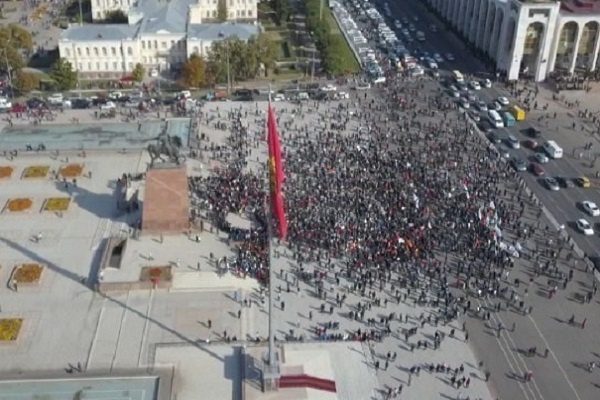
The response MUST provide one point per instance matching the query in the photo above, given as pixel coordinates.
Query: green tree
(138, 72)
(63, 75)
(26, 81)
(282, 10)
(222, 10)
(115, 17)
(193, 72)
(266, 49)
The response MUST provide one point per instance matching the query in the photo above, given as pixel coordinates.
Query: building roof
(581, 6)
(165, 16)
(211, 32)
(91, 32)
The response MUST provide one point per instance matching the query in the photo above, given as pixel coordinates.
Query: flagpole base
(270, 374)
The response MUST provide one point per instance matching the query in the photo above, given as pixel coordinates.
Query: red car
(530, 144)
(536, 169)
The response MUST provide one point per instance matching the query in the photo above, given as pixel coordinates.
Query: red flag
(276, 175)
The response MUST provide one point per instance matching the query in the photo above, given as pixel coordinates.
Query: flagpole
(272, 376)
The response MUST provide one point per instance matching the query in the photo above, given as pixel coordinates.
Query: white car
(115, 95)
(591, 208)
(329, 88)
(186, 94)
(279, 97)
(464, 103)
(5, 104)
(55, 98)
(109, 105)
(487, 83)
(475, 85)
(343, 95)
(503, 100)
(153, 73)
(584, 227)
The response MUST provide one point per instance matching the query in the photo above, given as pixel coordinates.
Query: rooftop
(581, 6)
(93, 32)
(217, 31)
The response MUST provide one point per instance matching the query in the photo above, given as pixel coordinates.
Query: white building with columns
(160, 36)
(528, 37)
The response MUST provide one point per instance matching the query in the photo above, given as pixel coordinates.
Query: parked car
(503, 100)
(536, 169)
(541, 158)
(518, 164)
(583, 182)
(551, 183)
(533, 132)
(565, 182)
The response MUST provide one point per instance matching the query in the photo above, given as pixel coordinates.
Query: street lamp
(222, 35)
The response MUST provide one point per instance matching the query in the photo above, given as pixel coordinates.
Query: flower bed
(36, 171)
(28, 273)
(10, 328)
(71, 170)
(162, 274)
(54, 204)
(18, 205)
(6, 172)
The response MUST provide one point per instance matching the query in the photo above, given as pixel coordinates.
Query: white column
(576, 49)
(595, 54)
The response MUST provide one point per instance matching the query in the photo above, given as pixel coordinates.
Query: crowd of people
(393, 197)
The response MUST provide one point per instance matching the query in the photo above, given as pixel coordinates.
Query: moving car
(530, 144)
(503, 100)
(513, 142)
(536, 169)
(551, 184)
(583, 182)
(584, 227)
(591, 208)
(475, 85)
(518, 164)
(541, 158)
(565, 182)
(487, 83)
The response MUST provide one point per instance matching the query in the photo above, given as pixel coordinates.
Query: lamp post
(226, 38)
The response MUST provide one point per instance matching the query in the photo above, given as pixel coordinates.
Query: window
(172, 43)
(237, 13)
(243, 12)
(67, 52)
(129, 51)
(249, 13)
(114, 65)
(89, 66)
(231, 3)
(80, 66)
(207, 14)
(113, 51)
(131, 66)
(144, 59)
(98, 3)
(214, 14)
(143, 45)
(163, 45)
(195, 49)
(96, 51)
(104, 51)
(106, 65)
(97, 66)
(156, 44)
(79, 51)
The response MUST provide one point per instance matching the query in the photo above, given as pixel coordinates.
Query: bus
(495, 119)
(553, 149)
(518, 113)
(508, 119)
(458, 77)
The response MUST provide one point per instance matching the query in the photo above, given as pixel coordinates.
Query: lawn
(348, 59)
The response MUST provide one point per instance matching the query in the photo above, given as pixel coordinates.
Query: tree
(138, 72)
(193, 72)
(282, 10)
(222, 10)
(266, 49)
(115, 17)
(26, 81)
(63, 75)
(14, 42)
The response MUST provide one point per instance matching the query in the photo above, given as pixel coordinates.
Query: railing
(294, 381)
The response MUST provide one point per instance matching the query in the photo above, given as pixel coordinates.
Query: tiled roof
(90, 32)
(217, 31)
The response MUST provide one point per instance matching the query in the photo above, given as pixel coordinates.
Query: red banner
(276, 175)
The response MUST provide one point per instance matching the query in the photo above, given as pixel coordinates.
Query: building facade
(237, 10)
(529, 38)
(161, 36)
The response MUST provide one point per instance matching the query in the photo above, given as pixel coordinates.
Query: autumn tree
(193, 72)
(26, 81)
